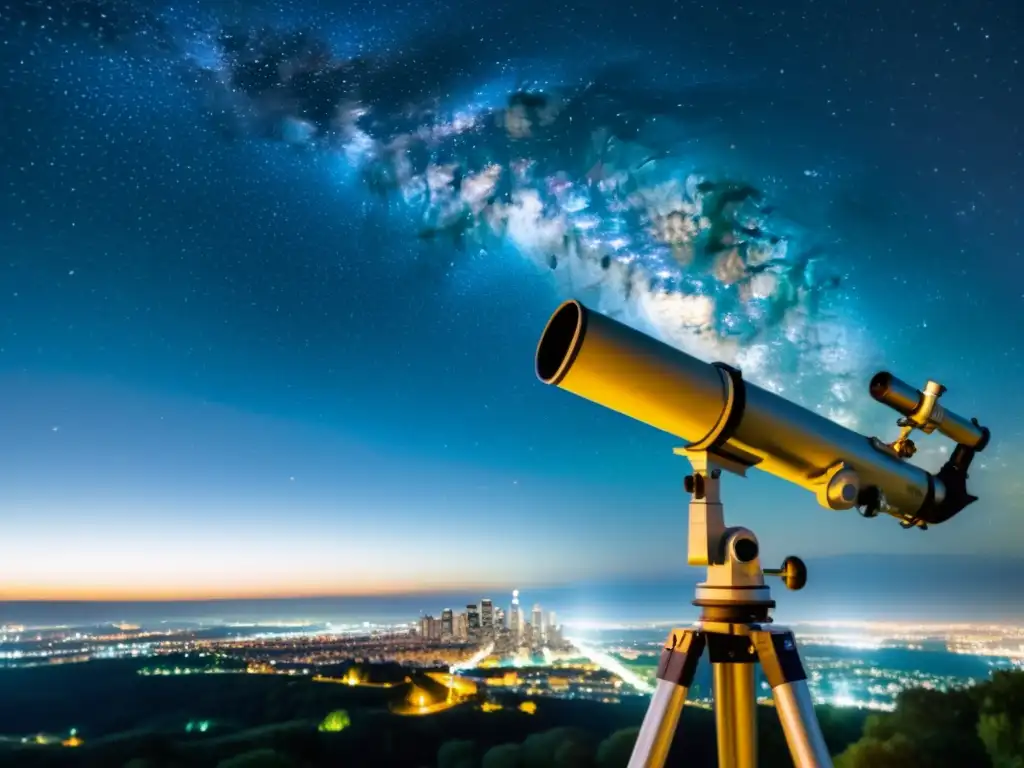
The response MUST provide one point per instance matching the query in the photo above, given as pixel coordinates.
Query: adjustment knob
(793, 573)
(694, 485)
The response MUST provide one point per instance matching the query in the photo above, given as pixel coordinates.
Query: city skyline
(236, 364)
(486, 619)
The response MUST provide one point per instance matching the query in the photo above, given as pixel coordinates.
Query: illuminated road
(609, 663)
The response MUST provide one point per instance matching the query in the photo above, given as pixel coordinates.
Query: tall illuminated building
(515, 617)
(554, 637)
(499, 619)
(552, 632)
(446, 623)
(430, 628)
(487, 615)
(538, 624)
(460, 627)
(473, 619)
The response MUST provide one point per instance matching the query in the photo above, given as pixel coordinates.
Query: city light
(613, 665)
(473, 661)
(492, 656)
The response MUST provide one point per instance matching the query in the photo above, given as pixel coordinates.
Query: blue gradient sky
(222, 373)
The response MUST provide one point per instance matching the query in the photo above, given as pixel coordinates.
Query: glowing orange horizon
(86, 593)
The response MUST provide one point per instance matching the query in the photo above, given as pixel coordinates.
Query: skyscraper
(446, 623)
(461, 627)
(515, 617)
(553, 637)
(538, 624)
(430, 628)
(487, 615)
(473, 619)
(499, 619)
(552, 632)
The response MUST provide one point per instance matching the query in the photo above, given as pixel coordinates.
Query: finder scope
(713, 409)
(922, 410)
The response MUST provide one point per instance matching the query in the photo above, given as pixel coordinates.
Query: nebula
(593, 182)
(574, 179)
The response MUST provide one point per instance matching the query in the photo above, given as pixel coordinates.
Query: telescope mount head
(734, 591)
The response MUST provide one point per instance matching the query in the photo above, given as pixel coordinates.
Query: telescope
(711, 408)
(729, 425)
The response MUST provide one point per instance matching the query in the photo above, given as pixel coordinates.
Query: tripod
(735, 629)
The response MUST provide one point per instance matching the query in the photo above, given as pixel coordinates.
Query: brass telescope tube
(624, 370)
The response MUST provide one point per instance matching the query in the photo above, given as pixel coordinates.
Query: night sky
(248, 347)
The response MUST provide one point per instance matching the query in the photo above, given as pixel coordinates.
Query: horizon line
(124, 596)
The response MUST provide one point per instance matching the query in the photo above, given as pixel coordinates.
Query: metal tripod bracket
(734, 652)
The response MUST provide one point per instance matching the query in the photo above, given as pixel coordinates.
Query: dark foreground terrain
(255, 721)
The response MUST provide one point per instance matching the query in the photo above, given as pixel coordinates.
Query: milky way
(591, 181)
(566, 177)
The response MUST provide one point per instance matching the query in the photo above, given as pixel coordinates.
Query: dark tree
(895, 752)
(258, 758)
(458, 753)
(1001, 719)
(615, 751)
(505, 756)
(573, 753)
(937, 728)
(540, 750)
